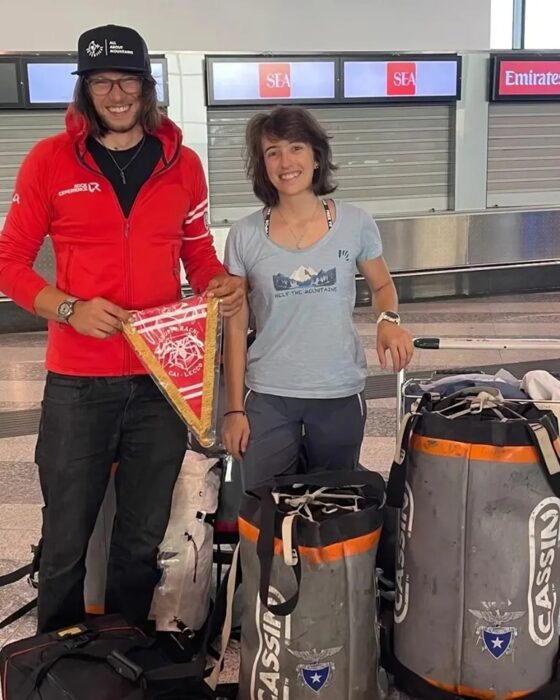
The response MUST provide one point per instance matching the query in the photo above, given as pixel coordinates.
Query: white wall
(501, 24)
(188, 111)
(254, 25)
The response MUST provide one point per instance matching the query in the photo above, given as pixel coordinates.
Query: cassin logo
(544, 541)
(402, 582)
(274, 632)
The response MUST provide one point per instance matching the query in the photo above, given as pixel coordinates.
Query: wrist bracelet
(229, 413)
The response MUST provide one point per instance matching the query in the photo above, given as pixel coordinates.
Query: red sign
(178, 345)
(529, 78)
(275, 80)
(401, 78)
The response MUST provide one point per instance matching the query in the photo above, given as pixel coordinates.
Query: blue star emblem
(316, 677)
(497, 641)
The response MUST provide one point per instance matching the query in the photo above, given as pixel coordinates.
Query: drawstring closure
(307, 506)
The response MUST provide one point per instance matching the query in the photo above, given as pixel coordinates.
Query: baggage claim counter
(456, 156)
(460, 169)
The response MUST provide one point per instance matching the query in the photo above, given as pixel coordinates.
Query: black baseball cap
(112, 48)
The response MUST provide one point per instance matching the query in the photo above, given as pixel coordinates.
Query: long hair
(293, 124)
(150, 115)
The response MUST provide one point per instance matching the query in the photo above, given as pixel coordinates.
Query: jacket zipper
(128, 288)
(126, 230)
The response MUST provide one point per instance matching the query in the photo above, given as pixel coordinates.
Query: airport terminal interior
(22, 378)
(444, 122)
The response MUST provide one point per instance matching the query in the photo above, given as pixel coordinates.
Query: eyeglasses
(131, 85)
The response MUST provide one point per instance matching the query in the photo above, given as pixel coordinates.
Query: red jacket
(133, 262)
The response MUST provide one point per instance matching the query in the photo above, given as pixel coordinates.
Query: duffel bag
(107, 659)
(476, 481)
(308, 546)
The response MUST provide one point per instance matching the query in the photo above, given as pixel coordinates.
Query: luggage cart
(464, 343)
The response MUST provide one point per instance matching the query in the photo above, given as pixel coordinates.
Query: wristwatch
(66, 309)
(391, 316)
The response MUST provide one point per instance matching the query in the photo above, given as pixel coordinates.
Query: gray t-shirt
(302, 302)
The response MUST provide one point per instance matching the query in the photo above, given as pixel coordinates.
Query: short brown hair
(293, 124)
(150, 115)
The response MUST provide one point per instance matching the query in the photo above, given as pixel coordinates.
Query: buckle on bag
(124, 666)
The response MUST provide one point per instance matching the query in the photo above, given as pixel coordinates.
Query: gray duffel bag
(309, 591)
(476, 479)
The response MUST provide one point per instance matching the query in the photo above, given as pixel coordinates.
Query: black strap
(268, 213)
(218, 614)
(74, 648)
(28, 570)
(175, 672)
(265, 553)
(397, 475)
(122, 664)
(20, 612)
(334, 479)
(16, 575)
(551, 471)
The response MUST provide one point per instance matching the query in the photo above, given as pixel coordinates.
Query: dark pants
(87, 424)
(291, 435)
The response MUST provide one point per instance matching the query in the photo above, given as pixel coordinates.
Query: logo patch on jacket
(81, 187)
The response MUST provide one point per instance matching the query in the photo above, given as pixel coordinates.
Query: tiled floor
(22, 376)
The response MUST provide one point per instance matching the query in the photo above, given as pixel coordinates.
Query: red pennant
(178, 344)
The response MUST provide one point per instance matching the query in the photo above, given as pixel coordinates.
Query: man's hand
(397, 341)
(98, 318)
(229, 290)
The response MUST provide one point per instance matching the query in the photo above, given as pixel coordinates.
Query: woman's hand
(235, 434)
(397, 341)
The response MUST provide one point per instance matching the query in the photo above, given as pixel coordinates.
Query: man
(123, 202)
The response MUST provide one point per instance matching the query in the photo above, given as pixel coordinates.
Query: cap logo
(94, 49)
(116, 48)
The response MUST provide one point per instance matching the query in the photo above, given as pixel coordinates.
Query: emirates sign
(526, 79)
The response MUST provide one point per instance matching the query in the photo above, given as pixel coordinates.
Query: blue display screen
(53, 83)
(403, 79)
(279, 80)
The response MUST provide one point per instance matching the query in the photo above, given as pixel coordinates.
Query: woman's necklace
(125, 166)
(298, 238)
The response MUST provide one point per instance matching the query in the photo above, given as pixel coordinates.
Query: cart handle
(428, 343)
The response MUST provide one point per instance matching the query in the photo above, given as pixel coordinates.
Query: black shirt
(138, 163)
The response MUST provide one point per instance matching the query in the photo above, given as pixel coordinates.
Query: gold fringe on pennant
(203, 425)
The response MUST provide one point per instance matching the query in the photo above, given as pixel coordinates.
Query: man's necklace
(298, 238)
(125, 166)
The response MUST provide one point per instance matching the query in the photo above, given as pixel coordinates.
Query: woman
(306, 369)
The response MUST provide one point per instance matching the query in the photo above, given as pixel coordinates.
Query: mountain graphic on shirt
(304, 277)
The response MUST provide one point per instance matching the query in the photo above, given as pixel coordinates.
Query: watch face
(65, 309)
(392, 314)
